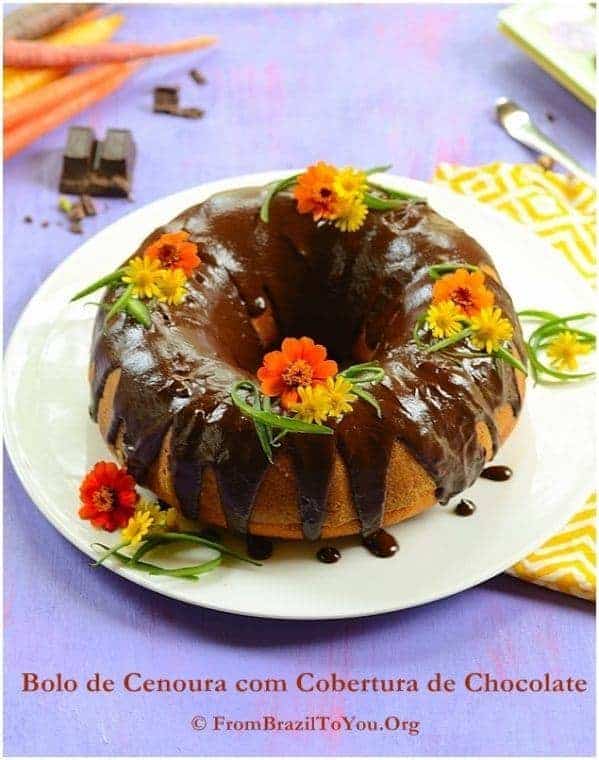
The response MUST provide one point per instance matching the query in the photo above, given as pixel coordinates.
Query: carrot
(17, 81)
(23, 134)
(32, 21)
(25, 54)
(28, 106)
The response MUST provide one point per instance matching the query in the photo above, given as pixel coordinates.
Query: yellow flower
(340, 395)
(350, 213)
(138, 527)
(143, 274)
(349, 183)
(158, 515)
(444, 319)
(564, 350)
(491, 329)
(171, 284)
(314, 405)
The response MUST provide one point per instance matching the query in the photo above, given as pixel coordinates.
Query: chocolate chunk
(88, 205)
(166, 99)
(78, 160)
(113, 167)
(97, 168)
(190, 113)
(197, 76)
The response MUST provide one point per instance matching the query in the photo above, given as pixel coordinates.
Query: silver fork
(518, 124)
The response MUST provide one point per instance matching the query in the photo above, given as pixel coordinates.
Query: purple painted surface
(350, 84)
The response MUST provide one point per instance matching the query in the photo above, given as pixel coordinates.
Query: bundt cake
(161, 394)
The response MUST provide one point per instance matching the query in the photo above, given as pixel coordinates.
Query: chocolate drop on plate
(497, 472)
(328, 555)
(380, 543)
(465, 508)
(259, 547)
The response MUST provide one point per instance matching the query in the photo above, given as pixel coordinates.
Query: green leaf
(120, 304)
(438, 270)
(269, 418)
(139, 311)
(382, 204)
(537, 314)
(508, 357)
(364, 374)
(378, 169)
(273, 189)
(395, 194)
(262, 431)
(109, 553)
(197, 539)
(191, 572)
(440, 345)
(107, 280)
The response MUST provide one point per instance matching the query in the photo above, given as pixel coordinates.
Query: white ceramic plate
(52, 442)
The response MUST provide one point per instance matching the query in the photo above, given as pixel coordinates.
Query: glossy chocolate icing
(357, 293)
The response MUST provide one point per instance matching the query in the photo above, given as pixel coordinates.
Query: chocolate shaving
(166, 100)
(28, 219)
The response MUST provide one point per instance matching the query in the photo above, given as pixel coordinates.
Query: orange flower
(466, 290)
(300, 363)
(173, 251)
(314, 191)
(108, 496)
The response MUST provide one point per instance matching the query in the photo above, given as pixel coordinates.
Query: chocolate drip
(328, 554)
(365, 442)
(497, 472)
(380, 543)
(357, 293)
(465, 508)
(314, 457)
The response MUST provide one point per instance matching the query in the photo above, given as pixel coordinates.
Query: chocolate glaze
(328, 555)
(465, 508)
(357, 293)
(380, 543)
(497, 472)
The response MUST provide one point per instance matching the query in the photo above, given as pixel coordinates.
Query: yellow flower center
(297, 373)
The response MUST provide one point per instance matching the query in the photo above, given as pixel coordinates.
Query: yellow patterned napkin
(562, 210)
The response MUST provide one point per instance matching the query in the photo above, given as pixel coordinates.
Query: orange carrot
(25, 133)
(23, 54)
(80, 32)
(26, 107)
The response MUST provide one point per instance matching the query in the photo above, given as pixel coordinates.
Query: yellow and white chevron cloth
(562, 210)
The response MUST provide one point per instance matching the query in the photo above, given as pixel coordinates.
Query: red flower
(174, 251)
(300, 363)
(108, 496)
